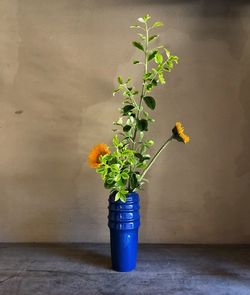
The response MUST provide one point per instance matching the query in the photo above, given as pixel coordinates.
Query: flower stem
(156, 156)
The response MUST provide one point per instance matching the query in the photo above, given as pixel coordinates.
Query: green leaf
(123, 198)
(138, 45)
(152, 55)
(175, 58)
(119, 122)
(120, 196)
(151, 38)
(108, 185)
(154, 82)
(115, 91)
(146, 17)
(158, 58)
(150, 102)
(115, 140)
(131, 120)
(169, 64)
(133, 181)
(141, 134)
(167, 52)
(117, 178)
(161, 78)
(128, 108)
(110, 180)
(136, 62)
(166, 68)
(142, 125)
(127, 152)
(157, 24)
(149, 87)
(119, 79)
(105, 158)
(139, 156)
(141, 20)
(147, 75)
(126, 128)
(100, 169)
(148, 143)
(124, 175)
(115, 167)
(117, 197)
(142, 165)
(142, 36)
(136, 27)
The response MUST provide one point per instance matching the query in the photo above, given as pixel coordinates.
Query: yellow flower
(178, 133)
(94, 155)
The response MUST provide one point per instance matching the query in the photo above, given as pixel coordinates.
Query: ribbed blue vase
(124, 222)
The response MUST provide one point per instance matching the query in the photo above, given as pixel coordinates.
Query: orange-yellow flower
(94, 155)
(178, 133)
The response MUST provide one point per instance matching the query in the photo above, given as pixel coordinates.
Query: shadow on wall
(230, 31)
(242, 164)
(235, 36)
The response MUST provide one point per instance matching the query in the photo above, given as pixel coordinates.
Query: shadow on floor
(89, 254)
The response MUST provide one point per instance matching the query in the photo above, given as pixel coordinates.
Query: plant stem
(141, 97)
(156, 156)
(143, 84)
(132, 96)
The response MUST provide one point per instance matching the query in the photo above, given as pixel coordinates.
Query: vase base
(118, 269)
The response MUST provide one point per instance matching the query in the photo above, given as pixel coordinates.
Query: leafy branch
(124, 169)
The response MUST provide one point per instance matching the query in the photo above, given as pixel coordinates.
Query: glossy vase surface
(124, 222)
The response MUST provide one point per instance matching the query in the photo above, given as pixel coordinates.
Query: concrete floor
(65, 269)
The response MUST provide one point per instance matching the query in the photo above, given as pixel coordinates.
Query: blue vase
(124, 222)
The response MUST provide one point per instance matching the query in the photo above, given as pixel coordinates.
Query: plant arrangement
(124, 165)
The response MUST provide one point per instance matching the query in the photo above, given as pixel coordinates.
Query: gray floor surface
(65, 269)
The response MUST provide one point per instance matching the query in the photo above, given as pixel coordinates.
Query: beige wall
(59, 60)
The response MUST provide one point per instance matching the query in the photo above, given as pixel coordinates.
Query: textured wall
(59, 60)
